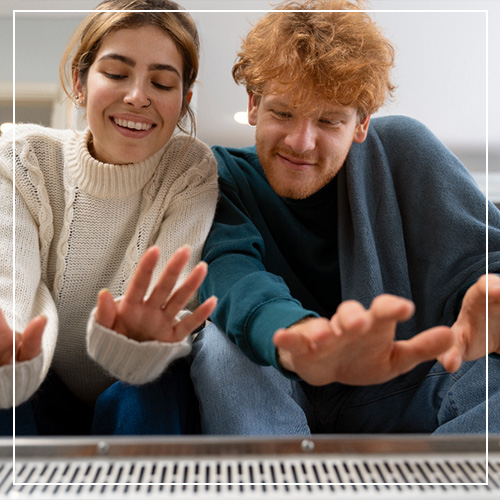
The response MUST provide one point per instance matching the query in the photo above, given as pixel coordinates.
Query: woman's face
(133, 94)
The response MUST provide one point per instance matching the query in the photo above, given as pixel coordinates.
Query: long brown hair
(87, 39)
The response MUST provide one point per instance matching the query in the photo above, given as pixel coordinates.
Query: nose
(136, 95)
(301, 137)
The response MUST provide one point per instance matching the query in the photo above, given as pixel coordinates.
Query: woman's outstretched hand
(153, 317)
(28, 345)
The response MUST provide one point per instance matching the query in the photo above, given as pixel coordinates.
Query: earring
(76, 100)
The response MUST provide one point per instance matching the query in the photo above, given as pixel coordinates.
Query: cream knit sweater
(80, 226)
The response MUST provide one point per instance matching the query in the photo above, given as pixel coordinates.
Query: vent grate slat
(221, 478)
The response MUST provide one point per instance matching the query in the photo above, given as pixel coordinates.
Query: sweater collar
(105, 180)
(326, 195)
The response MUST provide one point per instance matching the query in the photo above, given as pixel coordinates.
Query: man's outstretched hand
(469, 329)
(356, 346)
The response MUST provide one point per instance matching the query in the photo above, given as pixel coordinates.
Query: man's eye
(330, 123)
(282, 114)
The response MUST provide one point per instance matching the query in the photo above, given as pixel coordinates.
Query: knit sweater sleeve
(32, 296)
(187, 209)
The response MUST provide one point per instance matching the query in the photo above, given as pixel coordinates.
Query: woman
(93, 210)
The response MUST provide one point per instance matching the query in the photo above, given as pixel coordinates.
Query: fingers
(304, 336)
(488, 284)
(168, 278)
(451, 359)
(486, 287)
(493, 282)
(291, 345)
(493, 313)
(5, 335)
(183, 294)
(141, 278)
(6, 340)
(385, 311)
(351, 316)
(392, 308)
(294, 342)
(3, 322)
(154, 317)
(31, 344)
(425, 346)
(105, 313)
(194, 320)
(27, 346)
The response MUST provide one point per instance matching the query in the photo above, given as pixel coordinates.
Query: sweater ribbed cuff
(27, 381)
(129, 360)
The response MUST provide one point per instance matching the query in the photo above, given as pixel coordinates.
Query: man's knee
(213, 348)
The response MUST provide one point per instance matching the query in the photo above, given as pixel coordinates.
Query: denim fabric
(237, 396)
(52, 411)
(422, 401)
(165, 406)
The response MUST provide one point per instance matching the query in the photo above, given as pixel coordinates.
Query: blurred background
(448, 54)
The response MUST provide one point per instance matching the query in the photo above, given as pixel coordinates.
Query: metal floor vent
(130, 470)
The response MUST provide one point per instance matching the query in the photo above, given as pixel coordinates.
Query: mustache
(295, 156)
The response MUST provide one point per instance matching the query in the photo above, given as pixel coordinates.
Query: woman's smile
(134, 94)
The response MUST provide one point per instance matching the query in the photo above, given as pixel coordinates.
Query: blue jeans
(238, 397)
(165, 406)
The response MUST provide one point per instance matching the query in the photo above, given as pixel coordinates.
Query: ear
(185, 104)
(361, 130)
(78, 89)
(253, 106)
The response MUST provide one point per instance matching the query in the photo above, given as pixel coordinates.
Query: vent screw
(307, 445)
(102, 448)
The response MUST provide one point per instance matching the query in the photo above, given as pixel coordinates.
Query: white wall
(440, 73)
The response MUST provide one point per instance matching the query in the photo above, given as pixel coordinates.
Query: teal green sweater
(403, 216)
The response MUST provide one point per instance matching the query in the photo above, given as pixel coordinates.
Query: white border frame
(263, 11)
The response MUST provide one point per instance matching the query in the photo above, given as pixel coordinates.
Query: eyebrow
(130, 62)
(341, 115)
(326, 114)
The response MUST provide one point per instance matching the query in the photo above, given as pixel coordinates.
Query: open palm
(145, 317)
(27, 345)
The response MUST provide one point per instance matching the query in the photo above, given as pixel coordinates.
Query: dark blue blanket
(412, 222)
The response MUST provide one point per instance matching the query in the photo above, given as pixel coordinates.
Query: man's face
(301, 150)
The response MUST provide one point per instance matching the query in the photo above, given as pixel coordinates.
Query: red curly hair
(340, 57)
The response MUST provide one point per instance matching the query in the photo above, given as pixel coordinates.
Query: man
(347, 253)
